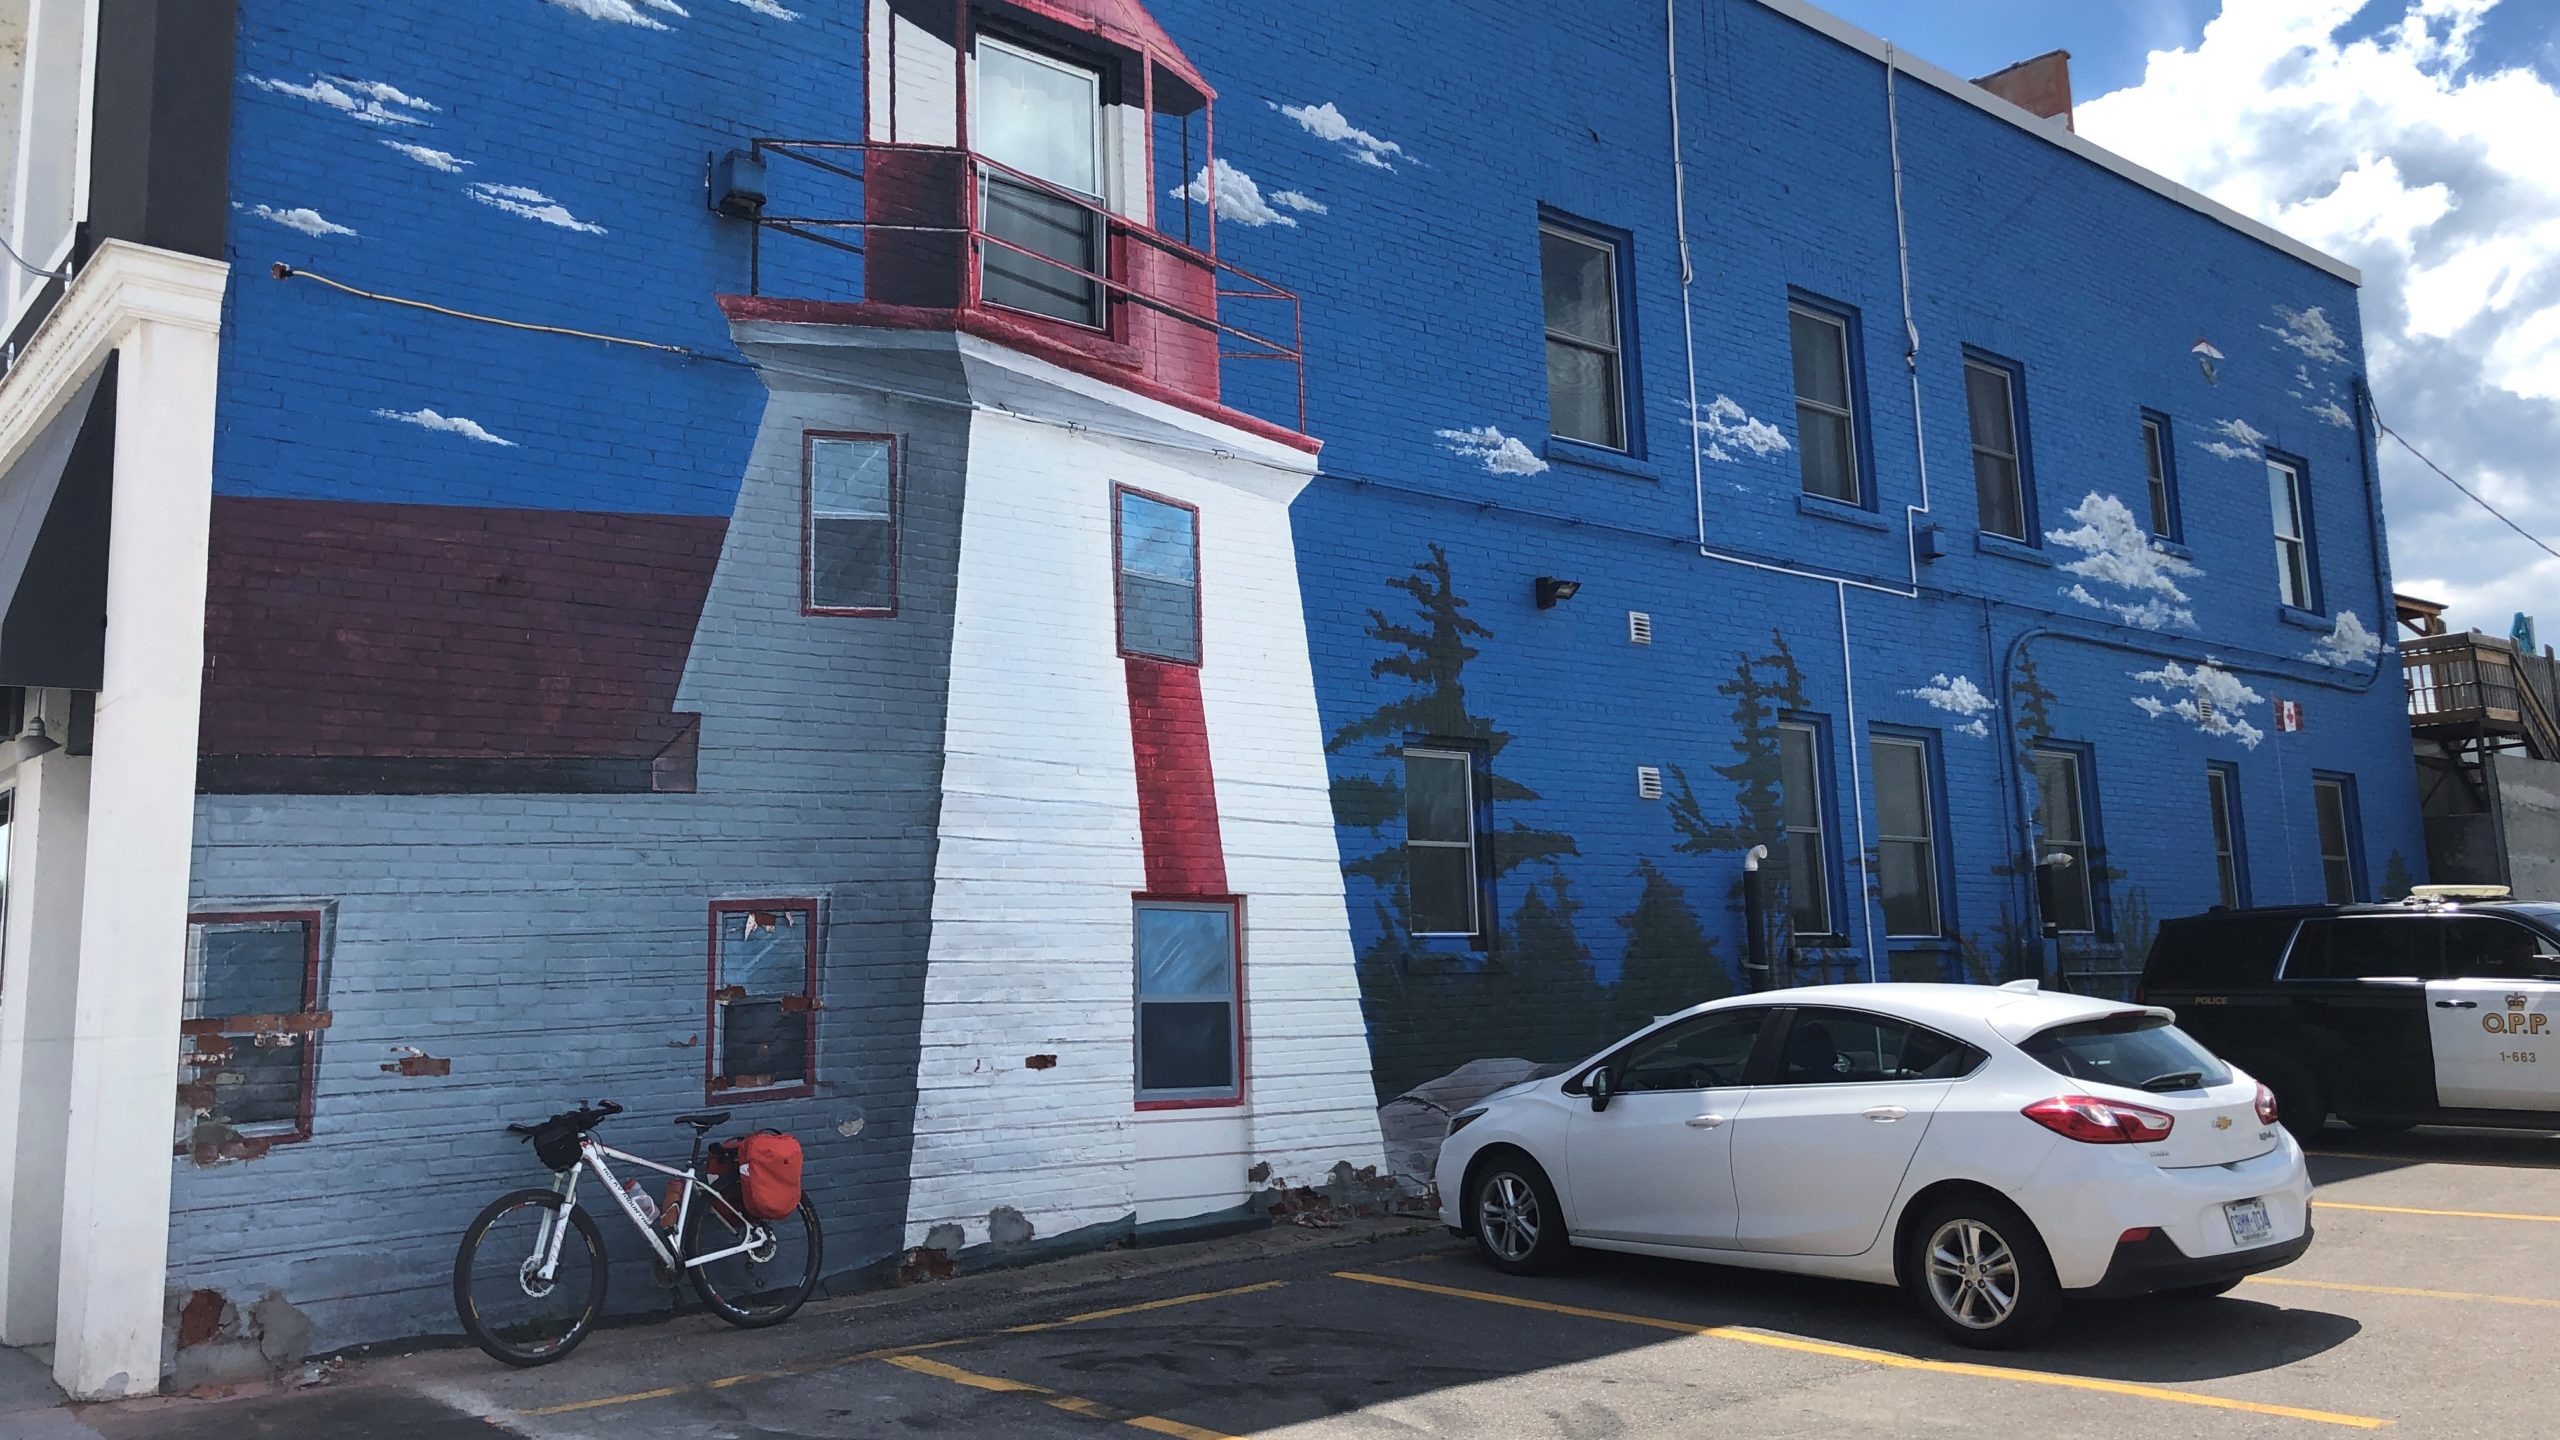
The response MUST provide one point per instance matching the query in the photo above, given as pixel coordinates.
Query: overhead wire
(2468, 493)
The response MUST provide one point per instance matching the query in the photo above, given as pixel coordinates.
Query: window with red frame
(764, 986)
(249, 1047)
(1159, 567)
(1190, 1010)
(852, 541)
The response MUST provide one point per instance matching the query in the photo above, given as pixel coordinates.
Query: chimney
(2041, 86)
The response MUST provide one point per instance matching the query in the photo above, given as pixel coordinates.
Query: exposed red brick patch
(201, 1318)
(1040, 1062)
(416, 1066)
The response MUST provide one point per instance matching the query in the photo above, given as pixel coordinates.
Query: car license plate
(2249, 1222)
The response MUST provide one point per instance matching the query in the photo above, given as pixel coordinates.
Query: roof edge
(1824, 23)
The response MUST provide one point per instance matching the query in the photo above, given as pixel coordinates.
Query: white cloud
(1959, 696)
(430, 157)
(1724, 422)
(1239, 199)
(449, 424)
(1499, 453)
(2310, 333)
(2215, 700)
(2347, 643)
(2330, 412)
(768, 8)
(621, 12)
(2404, 152)
(2116, 552)
(1299, 201)
(304, 219)
(1325, 122)
(532, 205)
(369, 101)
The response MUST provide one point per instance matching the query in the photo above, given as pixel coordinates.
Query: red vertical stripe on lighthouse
(1177, 792)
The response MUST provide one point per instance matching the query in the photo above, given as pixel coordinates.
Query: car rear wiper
(2174, 1080)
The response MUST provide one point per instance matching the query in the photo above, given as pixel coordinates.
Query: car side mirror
(1601, 1085)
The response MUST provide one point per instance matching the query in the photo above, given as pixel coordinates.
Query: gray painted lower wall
(2528, 800)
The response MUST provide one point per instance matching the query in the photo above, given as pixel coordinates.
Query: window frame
(1772, 1057)
(2414, 920)
(714, 1040)
(306, 1107)
(2351, 822)
(1618, 246)
(809, 604)
(1120, 590)
(1933, 803)
(2014, 375)
(2231, 866)
(1103, 312)
(1755, 1070)
(2159, 440)
(2092, 844)
(1233, 906)
(1854, 360)
(1478, 903)
(2304, 543)
(1826, 823)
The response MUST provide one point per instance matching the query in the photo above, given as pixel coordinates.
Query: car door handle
(1705, 1122)
(1885, 1114)
(2457, 1004)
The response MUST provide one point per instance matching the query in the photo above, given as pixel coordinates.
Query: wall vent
(1648, 782)
(2204, 709)
(1639, 628)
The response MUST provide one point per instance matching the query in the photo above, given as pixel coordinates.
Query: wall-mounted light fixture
(1553, 592)
(32, 741)
(738, 185)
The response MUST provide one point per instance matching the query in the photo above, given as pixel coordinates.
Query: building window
(1159, 546)
(1906, 838)
(1586, 370)
(851, 508)
(2293, 534)
(1190, 1026)
(2159, 458)
(48, 104)
(2001, 477)
(1440, 841)
(764, 999)
(1040, 116)
(2333, 800)
(2062, 828)
(1805, 856)
(1827, 449)
(2230, 853)
(251, 1027)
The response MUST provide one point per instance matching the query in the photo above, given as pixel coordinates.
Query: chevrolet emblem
(2221, 1122)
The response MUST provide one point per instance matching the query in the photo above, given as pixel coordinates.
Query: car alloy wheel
(1973, 1275)
(1508, 1216)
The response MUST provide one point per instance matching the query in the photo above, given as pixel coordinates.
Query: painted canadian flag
(2288, 716)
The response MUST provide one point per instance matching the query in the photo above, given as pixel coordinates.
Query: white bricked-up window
(2062, 828)
(1190, 1019)
(1440, 840)
(764, 987)
(1805, 856)
(1826, 403)
(249, 1047)
(851, 542)
(1159, 573)
(1586, 367)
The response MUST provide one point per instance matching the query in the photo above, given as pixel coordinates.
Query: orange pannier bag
(768, 1175)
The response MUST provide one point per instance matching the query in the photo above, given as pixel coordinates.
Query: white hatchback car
(1990, 1150)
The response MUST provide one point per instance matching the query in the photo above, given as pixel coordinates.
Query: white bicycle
(529, 1280)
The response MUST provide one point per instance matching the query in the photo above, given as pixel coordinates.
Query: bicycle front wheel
(762, 1286)
(509, 1306)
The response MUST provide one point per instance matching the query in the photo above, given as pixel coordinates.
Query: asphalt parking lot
(2430, 1305)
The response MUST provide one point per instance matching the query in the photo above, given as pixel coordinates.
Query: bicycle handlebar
(583, 1119)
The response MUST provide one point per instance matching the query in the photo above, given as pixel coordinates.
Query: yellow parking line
(2448, 1214)
(2408, 1291)
(1072, 1404)
(830, 1362)
(1881, 1357)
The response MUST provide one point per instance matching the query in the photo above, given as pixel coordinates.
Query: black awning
(54, 510)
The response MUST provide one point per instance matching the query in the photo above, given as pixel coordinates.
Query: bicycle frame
(592, 1153)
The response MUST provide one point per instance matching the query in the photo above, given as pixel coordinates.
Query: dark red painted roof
(1125, 23)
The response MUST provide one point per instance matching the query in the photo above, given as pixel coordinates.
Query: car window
(2365, 947)
(1701, 1054)
(2134, 1049)
(1844, 1047)
(2480, 948)
(2217, 952)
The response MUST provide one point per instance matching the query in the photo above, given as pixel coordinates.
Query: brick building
(1073, 626)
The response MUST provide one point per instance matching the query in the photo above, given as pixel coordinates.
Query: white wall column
(48, 850)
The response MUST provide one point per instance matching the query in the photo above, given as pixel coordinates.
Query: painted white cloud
(2212, 699)
(2330, 412)
(1725, 423)
(2309, 332)
(2347, 643)
(449, 424)
(1326, 122)
(2117, 554)
(303, 218)
(2240, 441)
(1239, 198)
(369, 101)
(2375, 130)
(532, 205)
(768, 9)
(431, 157)
(622, 12)
(1959, 696)
(1499, 453)
(1301, 202)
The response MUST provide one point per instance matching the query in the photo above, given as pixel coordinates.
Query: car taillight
(2093, 1121)
(2267, 1112)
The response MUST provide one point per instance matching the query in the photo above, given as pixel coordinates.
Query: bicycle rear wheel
(763, 1286)
(508, 1308)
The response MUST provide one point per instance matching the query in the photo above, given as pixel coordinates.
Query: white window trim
(2298, 539)
(1927, 840)
(1103, 171)
(1848, 411)
(1821, 835)
(1472, 844)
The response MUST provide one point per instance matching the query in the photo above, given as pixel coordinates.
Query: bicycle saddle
(704, 1120)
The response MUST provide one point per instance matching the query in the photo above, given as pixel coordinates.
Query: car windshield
(2136, 1050)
